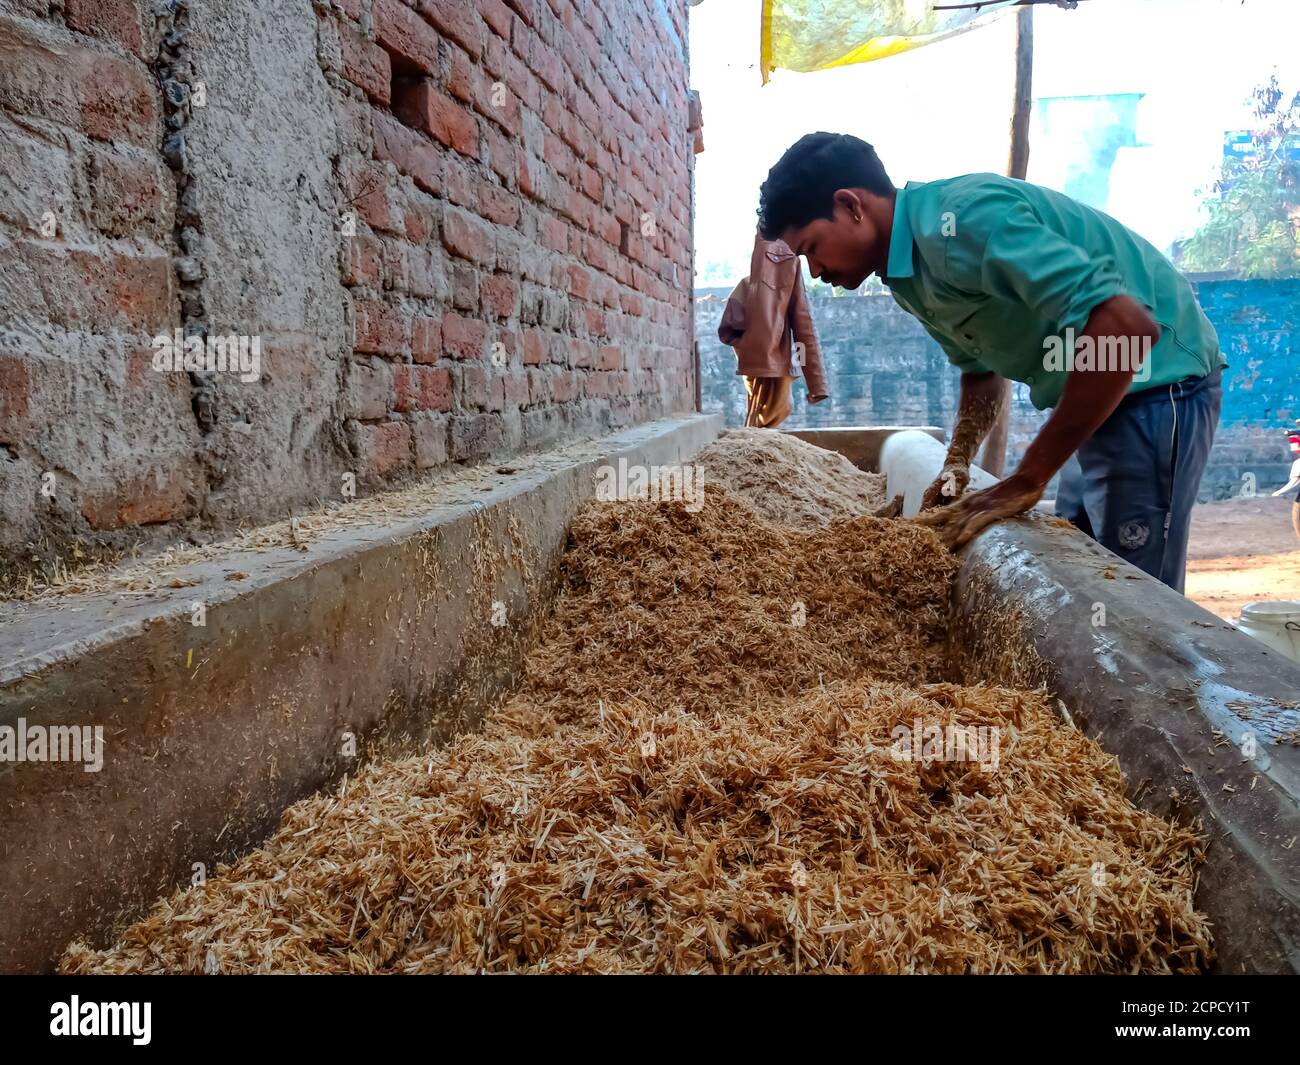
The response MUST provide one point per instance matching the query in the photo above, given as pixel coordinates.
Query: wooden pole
(995, 447)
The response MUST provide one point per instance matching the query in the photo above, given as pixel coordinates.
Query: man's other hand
(960, 522)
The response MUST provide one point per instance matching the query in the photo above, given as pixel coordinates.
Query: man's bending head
(830, 199)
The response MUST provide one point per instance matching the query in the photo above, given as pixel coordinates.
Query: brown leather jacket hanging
(767, 314)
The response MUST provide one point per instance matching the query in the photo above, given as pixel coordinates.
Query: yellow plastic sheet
(809, 35)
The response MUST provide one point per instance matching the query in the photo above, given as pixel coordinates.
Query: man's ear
(851, 202)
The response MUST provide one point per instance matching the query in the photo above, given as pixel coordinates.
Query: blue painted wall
(1258, 323)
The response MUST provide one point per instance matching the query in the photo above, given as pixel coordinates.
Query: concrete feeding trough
(382, 636)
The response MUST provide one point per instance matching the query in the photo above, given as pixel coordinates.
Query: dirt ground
(1242, 550)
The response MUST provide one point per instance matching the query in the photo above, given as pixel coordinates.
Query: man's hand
(947, 487)
(957, 524)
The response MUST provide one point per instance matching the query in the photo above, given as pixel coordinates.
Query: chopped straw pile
(789, 481)
(701, 773)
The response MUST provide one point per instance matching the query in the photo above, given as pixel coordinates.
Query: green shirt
(994, 267)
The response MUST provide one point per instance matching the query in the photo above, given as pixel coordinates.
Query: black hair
(803, 183)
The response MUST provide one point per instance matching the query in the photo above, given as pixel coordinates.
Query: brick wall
(884, 369)
(86, 209)
(459, 230)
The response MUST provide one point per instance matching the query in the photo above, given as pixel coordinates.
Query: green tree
(1253, 227)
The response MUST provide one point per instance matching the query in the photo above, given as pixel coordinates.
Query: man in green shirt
(1017, 281)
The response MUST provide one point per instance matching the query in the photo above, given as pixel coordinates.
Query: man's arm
(1088, 399)
(977, 410)
(1089, 396)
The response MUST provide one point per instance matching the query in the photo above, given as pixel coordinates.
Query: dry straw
(789, 481)
(700, 774)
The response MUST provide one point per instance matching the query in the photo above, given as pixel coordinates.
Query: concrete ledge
(1165, 686)
(384, 633)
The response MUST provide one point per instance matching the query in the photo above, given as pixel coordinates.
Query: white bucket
(1275, 624)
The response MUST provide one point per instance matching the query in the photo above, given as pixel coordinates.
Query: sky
(1183, 69)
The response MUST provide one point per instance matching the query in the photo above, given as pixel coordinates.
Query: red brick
(392, 264)
(575, 207)
(521, 80)
(480, 389)
(564, 386)
(609, 230)
(142, 290)
(582, 353)
(408, 38)
(547, 65)
(476, 436)
(426, 339)
(461, 185)
(463, 338)
(351, 8)
(579, 282)
(556, 155)
(430, 441)
(14, 399)
(366, 65)
(599, 255)
(362, 266)
(384, 448)
(535, 346)
(595, 321)
(419, 225)
(497, 16)
(499, 153)
(466, 81)
(525, 9)
(371, 197)
(464, 287)
(421, 388)
(555, 234)
(499, 205)
(125, 192)
(425, 108)
(501, 104)
(457, 20)
(610, 359)
(539, 388)
(515, 385)
(116, 20)
(370, 389)
(156, 497)
(467, 238)
(415, 157)
(118, 101)
(378, 328)
(423, 271)
(530, 170)
(500, 296)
